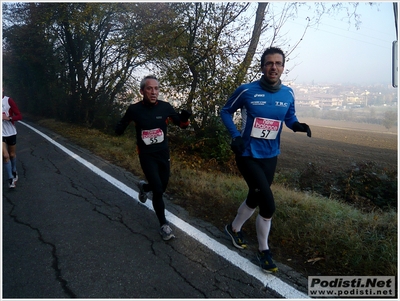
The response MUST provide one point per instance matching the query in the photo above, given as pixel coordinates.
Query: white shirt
(8, 127)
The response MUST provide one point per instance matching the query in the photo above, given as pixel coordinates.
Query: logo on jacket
(259, 95)
(281, 104)
(258, 102)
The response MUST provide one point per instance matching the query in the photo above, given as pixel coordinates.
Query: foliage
(390, 119)
(98, 46)
(366, 185)
(212, 142)
(92, 51)
(203, 52)
(373, 183)
(30, 72)
(81, 62)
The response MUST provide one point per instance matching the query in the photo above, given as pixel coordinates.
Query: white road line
(269, 280)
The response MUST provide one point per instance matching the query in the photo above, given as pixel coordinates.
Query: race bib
(264, 128)
(152, 136)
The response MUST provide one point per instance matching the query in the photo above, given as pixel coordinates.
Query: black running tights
(156, 168)
(259, 174)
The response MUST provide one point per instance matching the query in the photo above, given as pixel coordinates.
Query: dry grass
(308, 231)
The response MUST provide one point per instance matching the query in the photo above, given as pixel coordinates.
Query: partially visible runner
(265, 105)
(151, 117)
(11, 114)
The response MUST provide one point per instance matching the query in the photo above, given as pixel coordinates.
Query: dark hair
(272, 50)
(143, 82)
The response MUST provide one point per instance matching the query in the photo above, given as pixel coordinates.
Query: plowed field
(338, 145)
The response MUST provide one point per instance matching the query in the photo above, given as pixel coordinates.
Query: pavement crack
(178, 272)
(55, 266)
(107, 210)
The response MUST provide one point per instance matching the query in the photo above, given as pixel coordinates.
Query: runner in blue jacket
(265, 105)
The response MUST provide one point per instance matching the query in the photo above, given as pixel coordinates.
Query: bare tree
(201, 50)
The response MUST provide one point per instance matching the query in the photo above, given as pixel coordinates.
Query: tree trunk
(255, 38)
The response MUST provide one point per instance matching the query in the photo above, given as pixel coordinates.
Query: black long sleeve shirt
(151, 121)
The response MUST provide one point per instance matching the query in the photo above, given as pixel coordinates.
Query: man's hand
(237, 145)
(301, 127)
(185, 115)
(119, 129)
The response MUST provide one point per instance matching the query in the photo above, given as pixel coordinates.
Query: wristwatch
(10, 119)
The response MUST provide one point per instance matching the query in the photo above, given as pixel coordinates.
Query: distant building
(326, 100)
(320, 101)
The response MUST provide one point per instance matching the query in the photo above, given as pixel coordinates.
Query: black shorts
(10, 140)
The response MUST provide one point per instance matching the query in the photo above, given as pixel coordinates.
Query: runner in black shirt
(151, 117)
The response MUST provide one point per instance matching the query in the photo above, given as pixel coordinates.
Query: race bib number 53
(265, 128)
(152, 136)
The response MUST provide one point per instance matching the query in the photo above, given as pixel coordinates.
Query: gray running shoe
(166, 232)
(142, 193)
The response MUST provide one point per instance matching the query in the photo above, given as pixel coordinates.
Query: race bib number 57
(265, 128)
(152, 136)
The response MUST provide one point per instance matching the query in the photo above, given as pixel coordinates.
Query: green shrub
(368, 180)
(364, 182)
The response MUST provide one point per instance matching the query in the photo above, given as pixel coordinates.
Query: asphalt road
(73, 228)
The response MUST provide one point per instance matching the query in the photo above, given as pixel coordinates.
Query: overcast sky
(337, 52)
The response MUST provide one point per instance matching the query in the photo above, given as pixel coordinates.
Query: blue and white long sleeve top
(262, 116)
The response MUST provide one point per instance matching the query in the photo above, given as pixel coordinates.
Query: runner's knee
(267, 210)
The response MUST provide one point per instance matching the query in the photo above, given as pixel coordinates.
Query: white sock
(243, 214)
(263, 226)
